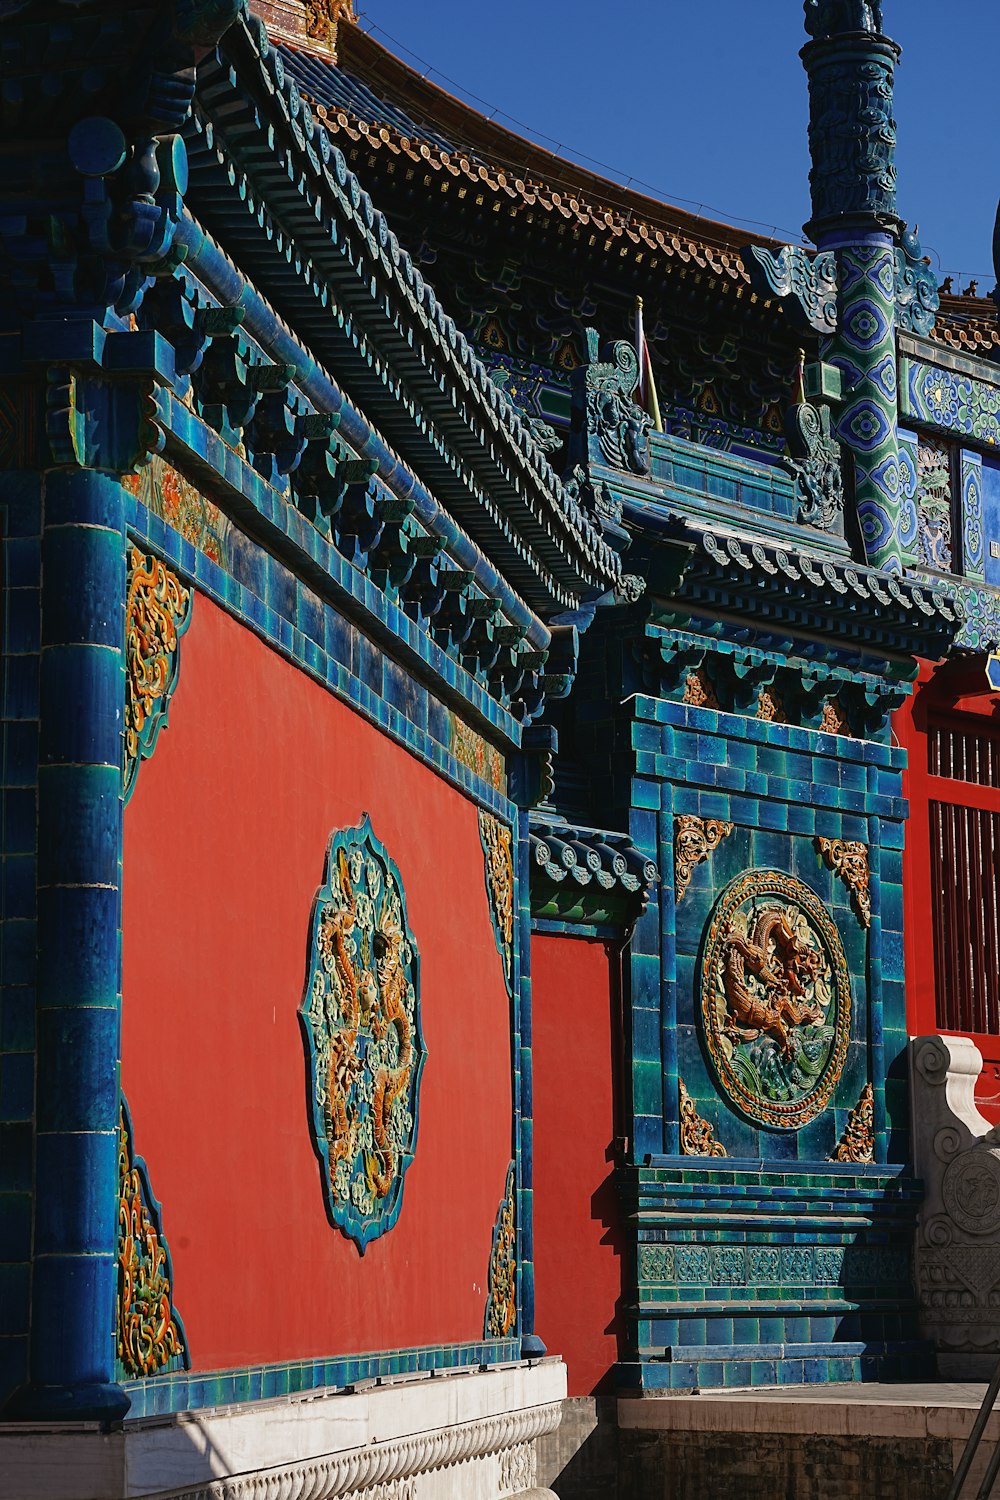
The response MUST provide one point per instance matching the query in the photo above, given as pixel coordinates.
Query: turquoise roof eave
(267, 181)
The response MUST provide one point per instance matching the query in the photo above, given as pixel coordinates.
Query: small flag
(647, 385)
(799, 383)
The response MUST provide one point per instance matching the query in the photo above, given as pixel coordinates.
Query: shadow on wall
(579, 1461)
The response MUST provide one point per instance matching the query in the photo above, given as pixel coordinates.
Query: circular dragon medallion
(361, 1017)
(971, 1191)
(775, 999)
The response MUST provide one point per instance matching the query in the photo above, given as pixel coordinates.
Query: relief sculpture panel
(775, 999)
(361, 1019)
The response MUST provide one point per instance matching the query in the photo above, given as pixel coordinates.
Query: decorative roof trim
(587, 876)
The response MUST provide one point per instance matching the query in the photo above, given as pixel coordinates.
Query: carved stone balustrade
(957, 1265)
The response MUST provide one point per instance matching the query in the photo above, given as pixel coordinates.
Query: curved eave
(461, 431)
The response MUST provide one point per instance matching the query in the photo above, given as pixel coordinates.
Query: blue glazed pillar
(852, 141)
(82, 695)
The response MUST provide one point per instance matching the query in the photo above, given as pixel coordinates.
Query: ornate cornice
(587, 876)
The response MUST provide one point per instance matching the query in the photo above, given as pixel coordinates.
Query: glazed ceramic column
(82, 696)
(852, 140)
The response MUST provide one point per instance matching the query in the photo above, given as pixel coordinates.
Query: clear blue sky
(705, 100)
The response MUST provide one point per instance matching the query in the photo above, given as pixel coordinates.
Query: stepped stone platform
(814, 1442)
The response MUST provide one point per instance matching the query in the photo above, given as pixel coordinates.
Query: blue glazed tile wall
(20, 519)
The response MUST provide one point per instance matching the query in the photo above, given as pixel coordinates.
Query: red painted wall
(578, 1235)
(225, 838)
(955, 691)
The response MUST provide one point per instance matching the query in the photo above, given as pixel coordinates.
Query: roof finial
(828, 18)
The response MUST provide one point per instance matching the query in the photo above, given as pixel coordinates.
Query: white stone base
(454, 1436)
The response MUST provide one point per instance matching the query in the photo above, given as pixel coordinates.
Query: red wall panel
(225, 839)
(957, 691)
(578, 1237)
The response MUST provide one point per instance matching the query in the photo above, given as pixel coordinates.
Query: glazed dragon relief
(361, 1017)
(787, 970)
(775, 998)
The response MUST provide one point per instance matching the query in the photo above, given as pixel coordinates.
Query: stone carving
(518, 1469)
(806, 282)
(775, 998)
(815, 461)
(157, 612)
(149, 1334)
(957, 1154)
(614, 422)
(501, 1303)
(361, 1019)
(827, 18)
(383, 1471)
(497, 840)
(697, 1138)
(694, 840)
(858, 1140)
(849, 860)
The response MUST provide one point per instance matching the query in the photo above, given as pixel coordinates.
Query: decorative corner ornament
(815, 462)
(501, 1303)
(849, 859)
(365, 1051)
(498, 848)
(149, 1335)
(157, 612)
(694, 840)
(857, 1143)
(806, 283)
(617, 430)
(697, 1137)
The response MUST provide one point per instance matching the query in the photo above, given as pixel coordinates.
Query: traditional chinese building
(472, 857)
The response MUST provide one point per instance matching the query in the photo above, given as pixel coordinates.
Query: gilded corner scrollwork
(157, 612)
(697, 1136)
(497, 840)
(149, 1335)
(694, 840)
(849, 860)
(364, 1044)
(501, 1302)
(857, 1144)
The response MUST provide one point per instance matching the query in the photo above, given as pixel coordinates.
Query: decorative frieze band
(761, 1266)
(381, 1471)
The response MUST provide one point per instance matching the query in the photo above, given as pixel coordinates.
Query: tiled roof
(373, 98)
(969, 324)
(375, 101)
